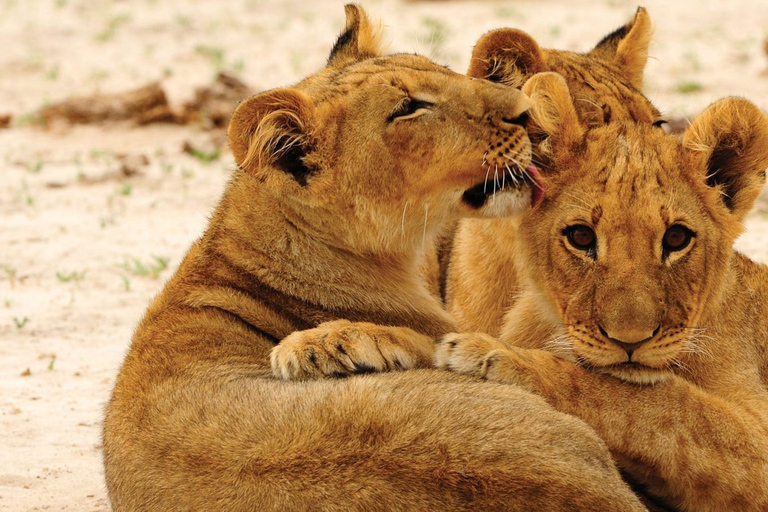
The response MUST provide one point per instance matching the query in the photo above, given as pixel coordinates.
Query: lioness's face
(404, 144)
(375, 153)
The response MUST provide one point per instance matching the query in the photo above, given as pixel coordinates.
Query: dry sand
(83, 247)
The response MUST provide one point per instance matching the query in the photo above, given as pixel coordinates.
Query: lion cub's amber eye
(676, 238)
(581, 237)
(408, 108)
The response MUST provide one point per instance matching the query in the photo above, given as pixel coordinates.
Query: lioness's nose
(521, 120)
(502, 103)
(518, 113)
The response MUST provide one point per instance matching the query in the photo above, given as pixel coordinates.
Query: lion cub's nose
(630, 339)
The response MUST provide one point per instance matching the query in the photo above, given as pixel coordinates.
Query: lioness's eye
(676, 238)
(408, 108)
(581, 237)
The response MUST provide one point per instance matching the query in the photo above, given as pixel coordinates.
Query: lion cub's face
(378, 152)
(627, 238)
(605, 83)
(631, 243)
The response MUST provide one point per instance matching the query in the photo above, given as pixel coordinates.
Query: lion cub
(655, 329)
(341, 179)
(480, 273)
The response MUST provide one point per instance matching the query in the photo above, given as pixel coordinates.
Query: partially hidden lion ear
(729, 145)
(358, 41)
(273, 130)
(627, 47)
(507, 56)
(553, 118)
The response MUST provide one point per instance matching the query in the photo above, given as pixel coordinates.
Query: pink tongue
(537, 189)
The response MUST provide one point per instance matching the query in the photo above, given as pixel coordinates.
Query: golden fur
(340, 182)
(659, 341)
(481, 273)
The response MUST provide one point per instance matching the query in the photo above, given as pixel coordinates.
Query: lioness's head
(604, 83)
(629, 248)
(376, 151)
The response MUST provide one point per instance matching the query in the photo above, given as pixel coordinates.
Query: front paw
(341, 348)
(468, 353)
(483, 356)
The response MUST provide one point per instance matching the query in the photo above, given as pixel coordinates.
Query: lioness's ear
(273, 129)
(507, 56)
(552, 114)
(627, 47)
(729, 141)
(358, 41)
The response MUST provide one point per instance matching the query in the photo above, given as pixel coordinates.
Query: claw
(361, 369)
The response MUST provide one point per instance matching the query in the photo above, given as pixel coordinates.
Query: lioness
(340, 180)
(655, 329)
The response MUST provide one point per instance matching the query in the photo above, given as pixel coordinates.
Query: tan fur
(326, 220)
(687, 422)
(604, 85)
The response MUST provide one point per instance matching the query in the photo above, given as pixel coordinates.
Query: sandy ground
(83, 247)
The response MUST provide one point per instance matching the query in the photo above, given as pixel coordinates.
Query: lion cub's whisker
(402, 222)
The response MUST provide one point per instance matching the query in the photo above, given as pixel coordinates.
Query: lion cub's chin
(636, 374)
(505, 196)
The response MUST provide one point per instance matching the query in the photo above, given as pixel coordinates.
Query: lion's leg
(690, 448)
(340, 347)
(482, 284)
(420, 440)
(694, 449)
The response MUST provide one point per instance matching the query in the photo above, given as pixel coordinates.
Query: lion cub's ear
(729, 145)
(507, 56)
(358, 41)
(627, 47)
(553, 118)
(273, 130)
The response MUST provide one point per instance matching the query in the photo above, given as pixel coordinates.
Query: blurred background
(112, 155)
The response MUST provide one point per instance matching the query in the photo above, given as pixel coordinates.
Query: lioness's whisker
(518, 165)
(535, 183)
(510, 158)
(511, 175)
